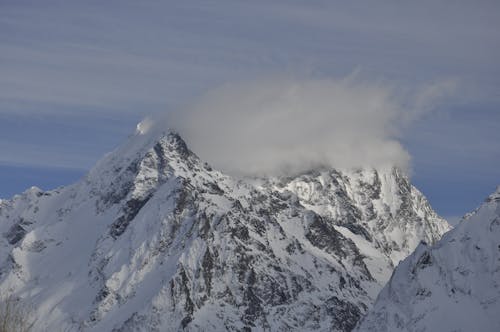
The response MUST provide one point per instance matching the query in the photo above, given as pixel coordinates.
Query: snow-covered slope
(153, 239)
(451, 286)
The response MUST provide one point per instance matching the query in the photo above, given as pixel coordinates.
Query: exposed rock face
(453, 285)
(153, 239)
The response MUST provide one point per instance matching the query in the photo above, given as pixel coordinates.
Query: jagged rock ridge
(453, 285)
(153, 239)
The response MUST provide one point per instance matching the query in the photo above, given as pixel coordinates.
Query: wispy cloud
(278, 124)
(116, 54)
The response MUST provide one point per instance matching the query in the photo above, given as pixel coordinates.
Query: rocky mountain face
(154, 239)
(453, 285)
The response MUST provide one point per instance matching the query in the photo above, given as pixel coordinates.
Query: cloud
(277, 125)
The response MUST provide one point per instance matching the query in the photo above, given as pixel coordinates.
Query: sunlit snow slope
(153, 239)
(451, 286)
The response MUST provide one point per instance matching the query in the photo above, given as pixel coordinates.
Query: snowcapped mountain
(154, 239)
(453, 285)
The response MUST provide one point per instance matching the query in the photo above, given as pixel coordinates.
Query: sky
(76, 77)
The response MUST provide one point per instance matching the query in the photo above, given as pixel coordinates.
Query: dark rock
(15, 234)
(132, 208)
(207, 267)
(345, 314)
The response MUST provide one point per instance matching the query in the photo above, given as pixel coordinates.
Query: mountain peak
(152, 239)
(176, 143)
(495, 196)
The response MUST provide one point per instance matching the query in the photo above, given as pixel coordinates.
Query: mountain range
(155, 239)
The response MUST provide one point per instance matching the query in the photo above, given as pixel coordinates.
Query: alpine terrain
(453, 285)
(154, 239)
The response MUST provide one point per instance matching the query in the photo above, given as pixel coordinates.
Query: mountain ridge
(449, 286)
(153, 238)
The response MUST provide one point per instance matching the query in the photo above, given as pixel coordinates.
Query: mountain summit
(154, 239)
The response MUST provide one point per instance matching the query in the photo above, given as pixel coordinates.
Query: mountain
(154, 239)
(453, 285)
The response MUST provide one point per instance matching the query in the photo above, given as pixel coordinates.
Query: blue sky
(75, 77)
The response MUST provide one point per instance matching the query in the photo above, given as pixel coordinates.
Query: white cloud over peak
(277, 125)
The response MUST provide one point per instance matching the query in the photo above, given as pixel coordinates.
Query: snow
(453, 285)
(127, 246)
